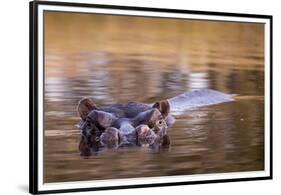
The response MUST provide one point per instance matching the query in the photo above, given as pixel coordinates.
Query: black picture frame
(33, 94)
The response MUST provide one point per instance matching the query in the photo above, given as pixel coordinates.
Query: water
(120, 59)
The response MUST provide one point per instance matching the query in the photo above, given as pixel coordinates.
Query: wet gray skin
(138, 124)
(198, 98)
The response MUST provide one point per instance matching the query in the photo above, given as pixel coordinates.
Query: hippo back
(198, 98)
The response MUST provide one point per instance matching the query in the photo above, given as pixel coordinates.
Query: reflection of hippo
(137, 124)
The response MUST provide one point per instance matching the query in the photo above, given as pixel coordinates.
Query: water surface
(120, 59)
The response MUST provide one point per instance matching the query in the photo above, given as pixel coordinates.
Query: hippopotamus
(119, 125)
(137, 124)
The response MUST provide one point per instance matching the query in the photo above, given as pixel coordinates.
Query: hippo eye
(160, 122)
(88, 125)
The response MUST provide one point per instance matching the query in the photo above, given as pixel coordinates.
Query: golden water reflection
(119, 59)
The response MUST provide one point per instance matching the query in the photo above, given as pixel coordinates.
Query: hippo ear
(163, 107)
(85, 106)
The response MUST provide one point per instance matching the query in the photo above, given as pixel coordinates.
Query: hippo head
(101, 127)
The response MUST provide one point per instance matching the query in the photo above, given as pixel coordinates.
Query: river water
(121, 59)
